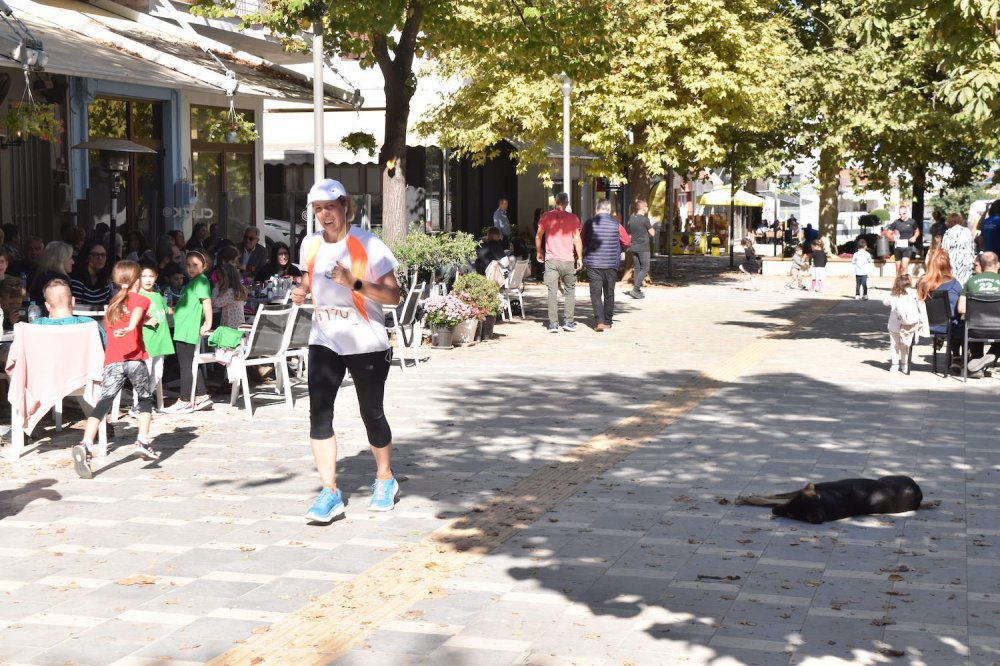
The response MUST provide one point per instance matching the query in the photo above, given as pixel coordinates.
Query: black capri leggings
(369, 371)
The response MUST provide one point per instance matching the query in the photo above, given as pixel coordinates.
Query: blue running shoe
(384, 495)
(327, 506)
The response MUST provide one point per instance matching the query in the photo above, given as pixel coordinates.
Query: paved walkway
(565, 499)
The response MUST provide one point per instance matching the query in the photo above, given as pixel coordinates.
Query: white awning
(73, 54)
(79, 38)
(298, 155)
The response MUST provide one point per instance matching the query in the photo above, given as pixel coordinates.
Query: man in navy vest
(602, 257)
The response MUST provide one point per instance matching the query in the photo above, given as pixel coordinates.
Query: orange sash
(359, 267)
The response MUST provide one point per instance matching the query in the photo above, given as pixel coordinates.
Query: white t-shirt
(345, 321)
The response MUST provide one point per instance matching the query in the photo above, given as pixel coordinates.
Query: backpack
(908, 310)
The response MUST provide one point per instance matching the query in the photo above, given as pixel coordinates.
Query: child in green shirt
(156, 330)
(192, 320)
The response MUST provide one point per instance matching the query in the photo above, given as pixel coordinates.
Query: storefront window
(140, 201)
(223, 162)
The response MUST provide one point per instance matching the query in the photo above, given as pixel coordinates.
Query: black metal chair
(982, 324)
(939, 314)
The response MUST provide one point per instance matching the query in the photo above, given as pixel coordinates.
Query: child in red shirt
(124, 357)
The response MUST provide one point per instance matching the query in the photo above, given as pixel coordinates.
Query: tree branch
(407, 44)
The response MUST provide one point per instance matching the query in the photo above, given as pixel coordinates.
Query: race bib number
(334, 315)
(902, 243)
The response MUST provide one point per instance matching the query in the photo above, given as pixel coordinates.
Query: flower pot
(441, 336)
(465, 333)
(486, 328)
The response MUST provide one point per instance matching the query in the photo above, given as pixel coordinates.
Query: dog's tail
(765, 500)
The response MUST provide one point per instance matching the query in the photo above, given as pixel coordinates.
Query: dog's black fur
(833, 500)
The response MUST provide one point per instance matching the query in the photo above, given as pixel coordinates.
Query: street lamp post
(567, 86)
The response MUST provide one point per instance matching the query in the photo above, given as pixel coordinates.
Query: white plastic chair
(515, 288)
(403, 318)
(267, 344)
(298, 341)
(78, 343)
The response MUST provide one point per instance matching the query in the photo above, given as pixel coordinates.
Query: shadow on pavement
(657, 536)
(13, 501)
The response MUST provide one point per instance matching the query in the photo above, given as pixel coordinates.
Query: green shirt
(188, 314)
(157, 338)
(983, 284)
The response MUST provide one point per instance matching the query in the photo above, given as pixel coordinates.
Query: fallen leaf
(889, 652)
(413, 615)
(247, 549)
(261, 630)
(895, 578)
(683, 498)
(723, 501)
(883, 621)
(138, 579)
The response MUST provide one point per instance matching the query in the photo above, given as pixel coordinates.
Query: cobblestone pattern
(180, 560)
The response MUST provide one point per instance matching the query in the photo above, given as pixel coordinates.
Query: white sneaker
(179, 407)
(894, 369)
(857, 298)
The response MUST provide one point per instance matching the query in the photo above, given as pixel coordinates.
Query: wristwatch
(358, 284)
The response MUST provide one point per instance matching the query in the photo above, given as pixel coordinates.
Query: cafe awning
(723, 197)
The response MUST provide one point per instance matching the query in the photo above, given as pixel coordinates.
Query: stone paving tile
(619, 560)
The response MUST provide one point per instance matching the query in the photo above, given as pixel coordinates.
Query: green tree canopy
(675, 77)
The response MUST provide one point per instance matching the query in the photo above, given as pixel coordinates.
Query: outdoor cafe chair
(298, 341)
(402, 319)
(938, 314)
(982, 324)
(35, 387)
(515, 288)
(267, 343)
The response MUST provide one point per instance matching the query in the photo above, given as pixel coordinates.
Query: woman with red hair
(940, 277)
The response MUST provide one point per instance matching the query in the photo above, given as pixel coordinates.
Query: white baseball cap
(327, 189)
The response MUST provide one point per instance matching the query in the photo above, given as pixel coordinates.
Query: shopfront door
(223, 167)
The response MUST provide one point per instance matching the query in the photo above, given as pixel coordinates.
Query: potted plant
(443, 313)
(37, 118)
(486, 295)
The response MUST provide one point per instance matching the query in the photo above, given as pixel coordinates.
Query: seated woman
(939, 277)
(229, 295)
(198, 235)
(280, 264)
(90, 279)
(56, 263)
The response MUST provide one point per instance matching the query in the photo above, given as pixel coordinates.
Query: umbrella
(724, 197)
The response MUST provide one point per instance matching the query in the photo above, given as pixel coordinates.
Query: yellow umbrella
(723, 197)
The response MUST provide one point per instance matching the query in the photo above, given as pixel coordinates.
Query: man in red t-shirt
(560, 230)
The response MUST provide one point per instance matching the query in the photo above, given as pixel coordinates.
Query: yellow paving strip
(341, 618)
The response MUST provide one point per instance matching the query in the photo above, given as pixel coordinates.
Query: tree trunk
(392, 158)
(400, 84)
(919, 188)
(829, 183)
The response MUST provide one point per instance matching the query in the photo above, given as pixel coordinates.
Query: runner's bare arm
(385, 290)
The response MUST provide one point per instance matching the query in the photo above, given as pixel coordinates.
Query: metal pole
(732, 205)
(113, 226)
(668, 208)
(567, 86)
(319, 160)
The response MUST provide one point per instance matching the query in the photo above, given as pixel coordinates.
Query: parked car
(278, 230)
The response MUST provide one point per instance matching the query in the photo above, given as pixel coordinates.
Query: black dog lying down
(833, 500)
